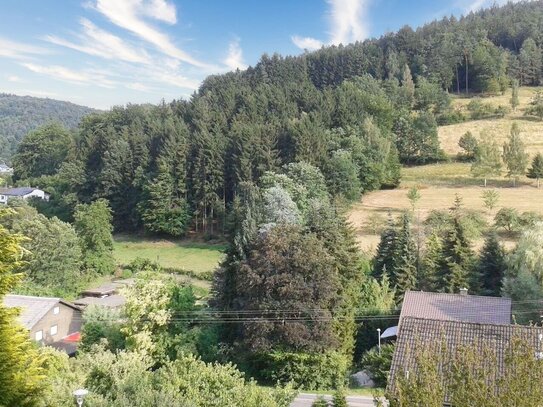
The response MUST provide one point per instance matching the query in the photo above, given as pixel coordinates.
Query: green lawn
(175, 254)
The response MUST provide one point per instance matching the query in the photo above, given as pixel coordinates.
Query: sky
(101, 53)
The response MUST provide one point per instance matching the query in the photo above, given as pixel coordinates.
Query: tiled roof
(454, 334)
(456, 307)
(21, 191)
(104, 289)
(33, 309)
(112, 301)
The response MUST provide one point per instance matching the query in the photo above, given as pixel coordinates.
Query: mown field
(171, 254)
(439, 183)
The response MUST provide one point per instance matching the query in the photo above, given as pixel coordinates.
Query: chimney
(464, 291)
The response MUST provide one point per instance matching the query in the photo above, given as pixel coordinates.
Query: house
(110, 301)
(106, 295)
(5, 169)
(50, 321)
(21, 192)
(453, 307)
(454, 334)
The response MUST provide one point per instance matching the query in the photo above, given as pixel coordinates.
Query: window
(39, 335)
(54, 330)
(56, 310)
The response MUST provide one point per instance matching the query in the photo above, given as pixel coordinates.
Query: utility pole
(379, 340)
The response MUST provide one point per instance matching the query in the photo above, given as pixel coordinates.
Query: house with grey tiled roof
(455, 334)
(22, 193)
(49, 321)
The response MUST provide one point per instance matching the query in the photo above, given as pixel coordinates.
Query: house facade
(48, 320)
(22, 193)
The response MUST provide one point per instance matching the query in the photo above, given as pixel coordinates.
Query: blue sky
(101, 53)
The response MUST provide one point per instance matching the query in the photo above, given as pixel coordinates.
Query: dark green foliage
(22, 114)
(428, 279)
(507, 219)
(343, 176)
(383, 262)
(492, 266)
(93, 227)
(468, 143)
(536, 170)
(404, 271)
(42, 152)
(416, 138)
(378, 363)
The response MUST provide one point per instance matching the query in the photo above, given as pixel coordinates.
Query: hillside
(21, 114)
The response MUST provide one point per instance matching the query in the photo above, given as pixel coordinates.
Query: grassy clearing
(531, 128)
(172, 254)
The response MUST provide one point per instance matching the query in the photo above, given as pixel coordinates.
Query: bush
(320, 402)
(310, 371)
(378, 365)
(339, 399)
(508, 219)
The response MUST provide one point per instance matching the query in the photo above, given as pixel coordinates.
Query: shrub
(378, 365)
(310, 371)
(320, 402)
(508, 219)
(339, 399)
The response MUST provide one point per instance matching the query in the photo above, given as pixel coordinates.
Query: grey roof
(112, 301)
(104, 289)
(33, 309)
(456, 307)
(497, 337)
(21, 191)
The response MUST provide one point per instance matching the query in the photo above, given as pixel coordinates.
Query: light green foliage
(339, 399)
(378, 363)
(536, 106)
(278, 207)
(21, 373)
(414, 196)
(514, 94)
(508, 219)
(490, 199)
(514, 154)
(487, 158)
(42, 151)
(93, 227)
(469, 144)
(102, 325)
(320, 401)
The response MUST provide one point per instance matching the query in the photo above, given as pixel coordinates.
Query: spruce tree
(404, 271)
(428, 276)
(536, 170)
(514, 94)
(383, 262)
(456, 270)
(514, 154)
(492, 266)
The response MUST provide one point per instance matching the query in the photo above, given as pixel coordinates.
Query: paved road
(305, 400)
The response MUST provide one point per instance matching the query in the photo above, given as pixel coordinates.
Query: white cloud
(97, 42)
(306, 43)
(14, 78)
(234, 60)
(348, 21)
(128, 14)
(69, 75)
(137, 86)
(17, 50)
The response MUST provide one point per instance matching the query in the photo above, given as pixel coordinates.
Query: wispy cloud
(17, 50)
(348, 21)
(14, 78)
(234, 60)
(128, 14)
(98, 42)
(69, 75)
(306, 43)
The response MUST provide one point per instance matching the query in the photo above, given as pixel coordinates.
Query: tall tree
(93, 227)
(404, 272)
(492, 266)
(487, 158)
(536, 170)
(514, 94)
(428, 279)
(531, 61)
(383, 262)
(514, 154)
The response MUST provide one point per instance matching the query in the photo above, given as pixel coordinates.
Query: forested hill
(20, 114)
(352, 112)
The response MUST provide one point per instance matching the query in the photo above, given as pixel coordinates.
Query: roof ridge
(459, 295)
(33, 297)
(453, 321)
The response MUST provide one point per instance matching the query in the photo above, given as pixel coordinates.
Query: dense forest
(268, 158)
(21, 114)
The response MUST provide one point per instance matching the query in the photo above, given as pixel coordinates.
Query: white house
(23, 192)
(5, 169)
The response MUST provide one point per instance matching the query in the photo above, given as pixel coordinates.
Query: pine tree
(492, 266)
(428, 277)
(383, 262)
(514, 94)
(456, 269)
(404, 270)
(514, 154)
(536, 170)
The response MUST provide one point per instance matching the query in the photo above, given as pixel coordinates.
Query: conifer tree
(456, 270)
(407, 84)
(428, 276)
(404, 272)
(492, 266)
(383, 262)
(514, 154)
(536, 170)
(514, 94)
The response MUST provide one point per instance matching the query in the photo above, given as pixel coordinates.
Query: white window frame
(38, 336)
(56, 310)
(54, 330)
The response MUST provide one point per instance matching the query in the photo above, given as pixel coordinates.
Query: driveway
(306, 399)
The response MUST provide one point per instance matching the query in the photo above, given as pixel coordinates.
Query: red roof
(75, 337)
